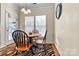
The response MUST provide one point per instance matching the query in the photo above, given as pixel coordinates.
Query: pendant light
(28, 10)
(25, 11)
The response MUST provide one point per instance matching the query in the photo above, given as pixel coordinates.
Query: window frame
(35, 21)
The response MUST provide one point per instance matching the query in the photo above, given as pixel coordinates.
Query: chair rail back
(44, 39)
(19, 38)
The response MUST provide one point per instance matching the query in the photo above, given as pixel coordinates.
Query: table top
(34, 35)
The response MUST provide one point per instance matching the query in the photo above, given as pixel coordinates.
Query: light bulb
(28, 10)
(23, 10)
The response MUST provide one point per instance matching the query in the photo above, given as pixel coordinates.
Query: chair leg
(31, 50)
(44, 48)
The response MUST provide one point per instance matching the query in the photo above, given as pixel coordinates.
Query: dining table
(33, 35)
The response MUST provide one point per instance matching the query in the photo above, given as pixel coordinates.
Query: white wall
(11, 8)
(67, 30)
(49, 12)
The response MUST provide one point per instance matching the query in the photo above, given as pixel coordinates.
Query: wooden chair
(21, 40)
(41, 45)
(43, 40)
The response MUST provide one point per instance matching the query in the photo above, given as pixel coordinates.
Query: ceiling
(32, 5)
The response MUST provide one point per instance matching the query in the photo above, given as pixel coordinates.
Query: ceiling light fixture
(25, 11)
(28, 10)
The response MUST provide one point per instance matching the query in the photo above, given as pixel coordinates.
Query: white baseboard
(59, 50)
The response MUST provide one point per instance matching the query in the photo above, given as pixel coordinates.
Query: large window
(40, 24)
(29, 24)
(12, 26)
(35, 23)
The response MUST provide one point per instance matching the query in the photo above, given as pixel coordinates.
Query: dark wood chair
(41, 46)
(43, 40)
(21, 40)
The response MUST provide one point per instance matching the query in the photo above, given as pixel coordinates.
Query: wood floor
(55, 50)
(9, 49)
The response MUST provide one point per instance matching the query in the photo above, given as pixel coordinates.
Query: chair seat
(40, 41)
(24, 48)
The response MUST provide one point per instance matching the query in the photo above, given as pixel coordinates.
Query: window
(12, 27)
(40, 24)
(35, 23)
(29, 24)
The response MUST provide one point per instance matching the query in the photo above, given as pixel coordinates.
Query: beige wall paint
(49, 12)
(11, 8)
(67, 30)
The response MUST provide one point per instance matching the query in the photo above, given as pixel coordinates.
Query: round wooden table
(32, 36)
